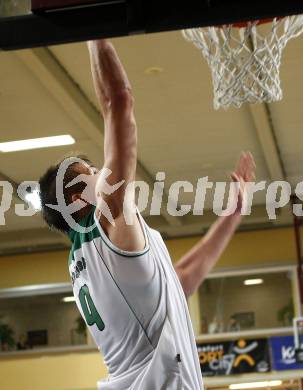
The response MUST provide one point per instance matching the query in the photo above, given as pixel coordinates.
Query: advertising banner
(283, 354)
(234, 357)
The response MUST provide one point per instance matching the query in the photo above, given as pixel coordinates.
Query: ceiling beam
(54, 77)
(4, 177)
(193, 225)
(15, 185)
(48, 70)
(264, 127)
(266, 135)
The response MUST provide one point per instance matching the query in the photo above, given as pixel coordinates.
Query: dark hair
(47, 183)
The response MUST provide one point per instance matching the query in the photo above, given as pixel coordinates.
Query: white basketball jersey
(136, 311)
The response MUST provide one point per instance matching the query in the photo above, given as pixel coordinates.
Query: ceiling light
(255, 385)
(253, 282)
(36, 143)
(68, 299)
(153, 70)
(34, 199)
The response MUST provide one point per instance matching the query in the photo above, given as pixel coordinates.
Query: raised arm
(120, 141)
(195, 265)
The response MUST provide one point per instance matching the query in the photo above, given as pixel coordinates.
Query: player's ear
(75, 197)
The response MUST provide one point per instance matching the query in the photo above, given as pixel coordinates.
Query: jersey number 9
(89, 309)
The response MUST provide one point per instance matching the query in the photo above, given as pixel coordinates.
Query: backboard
(47, 5)
(31, 23)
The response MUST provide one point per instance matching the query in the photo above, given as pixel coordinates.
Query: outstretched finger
(235, 177)
(250, 167)
(240, 164)
(251, 159)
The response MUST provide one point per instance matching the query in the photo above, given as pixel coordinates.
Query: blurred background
(243, 312)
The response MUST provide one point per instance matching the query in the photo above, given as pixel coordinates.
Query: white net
(245, 62)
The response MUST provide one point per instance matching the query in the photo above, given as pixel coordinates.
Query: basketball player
(126, 288)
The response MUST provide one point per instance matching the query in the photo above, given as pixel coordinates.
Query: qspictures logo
(226, 195)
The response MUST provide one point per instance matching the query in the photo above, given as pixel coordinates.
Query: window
(247, 301)
(40, 318)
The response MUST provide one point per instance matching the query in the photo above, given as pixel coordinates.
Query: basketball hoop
(244, 61)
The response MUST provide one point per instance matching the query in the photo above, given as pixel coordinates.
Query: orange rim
(259, 22)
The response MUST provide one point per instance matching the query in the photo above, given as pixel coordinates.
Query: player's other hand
(244, 172)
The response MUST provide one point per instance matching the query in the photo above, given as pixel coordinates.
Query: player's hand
(244, 172)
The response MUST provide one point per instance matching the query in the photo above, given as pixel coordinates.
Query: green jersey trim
(119, 251)
(78, 239)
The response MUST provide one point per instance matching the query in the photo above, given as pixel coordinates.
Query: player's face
(88, 175)
(85, 169)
